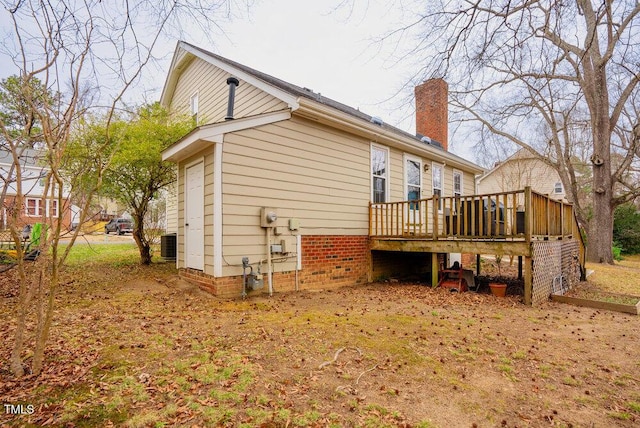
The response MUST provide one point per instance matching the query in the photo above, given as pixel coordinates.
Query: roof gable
(521, 154)
(308, 104)
(185, 53)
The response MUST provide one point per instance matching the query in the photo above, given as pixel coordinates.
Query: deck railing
(522, 215)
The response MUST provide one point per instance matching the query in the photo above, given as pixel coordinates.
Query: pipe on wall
(269, 268)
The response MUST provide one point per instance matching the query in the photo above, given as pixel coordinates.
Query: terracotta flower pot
(498, 289)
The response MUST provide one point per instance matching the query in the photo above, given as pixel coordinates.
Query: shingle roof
(306, 93)
(28, 157)
(288, 87)
(298, 91)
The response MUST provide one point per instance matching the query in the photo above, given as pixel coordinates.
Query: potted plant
(498, 289)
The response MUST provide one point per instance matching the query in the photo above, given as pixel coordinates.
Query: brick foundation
(468, 259)
(328, 261)
(334, 260)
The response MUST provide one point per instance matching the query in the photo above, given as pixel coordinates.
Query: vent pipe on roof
(376, 120)
(233, 83)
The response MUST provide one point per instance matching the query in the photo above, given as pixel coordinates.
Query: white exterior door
(194, 216)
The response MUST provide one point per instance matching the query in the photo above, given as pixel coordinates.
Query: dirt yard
(138, 347)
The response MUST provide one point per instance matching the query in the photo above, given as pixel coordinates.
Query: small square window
(558, 187)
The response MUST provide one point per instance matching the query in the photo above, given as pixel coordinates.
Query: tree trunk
(21, 326)
(25, 293)
(138, 235)
(44, 322)
(600, 239)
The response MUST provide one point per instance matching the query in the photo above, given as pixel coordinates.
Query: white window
(558, 187)
(413, 179)
(437, 183)
(33, 207)
(457, 183)
(193, 103)
(379, 174)
(52, 208)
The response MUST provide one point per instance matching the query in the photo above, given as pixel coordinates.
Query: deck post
(436, 231)
(562, 219)
(528, 279)
(528, 214)
(519, 267)
(548, 216)
(434, 269)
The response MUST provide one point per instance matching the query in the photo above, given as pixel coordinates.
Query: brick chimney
(432, 110)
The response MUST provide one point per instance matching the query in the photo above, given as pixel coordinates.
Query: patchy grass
(114, 254)
(623, 277)
(134, 346)
(631, 261)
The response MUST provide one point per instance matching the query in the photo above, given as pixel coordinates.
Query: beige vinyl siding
(468, 183)
(210, 83)
(298, 165)
(306, 171)
(171, 207)
(208, 157)
(396, 176)
(517, 173)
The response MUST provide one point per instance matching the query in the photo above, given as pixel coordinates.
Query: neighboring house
(520, 170)
(285, 177)
(35, 203)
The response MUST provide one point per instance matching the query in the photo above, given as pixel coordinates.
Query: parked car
(119, 226)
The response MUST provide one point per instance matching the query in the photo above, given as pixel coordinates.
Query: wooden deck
(499, 223)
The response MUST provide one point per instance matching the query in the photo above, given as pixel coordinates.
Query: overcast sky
(330, 51)
(315, 45)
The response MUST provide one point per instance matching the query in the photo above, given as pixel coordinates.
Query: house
(280, 182)
(35, 203)
(520, 170)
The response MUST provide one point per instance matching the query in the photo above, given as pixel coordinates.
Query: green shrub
(626, 228)
(617, 253)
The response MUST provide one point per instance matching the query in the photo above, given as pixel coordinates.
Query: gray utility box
(254, 282)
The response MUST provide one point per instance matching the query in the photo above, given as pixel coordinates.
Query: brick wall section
(328, 261)
(334, 260)
(468, 259)
(204, 281)
(23, 219)
(432, 110)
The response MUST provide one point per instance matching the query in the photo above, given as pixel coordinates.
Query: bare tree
(88, 53)
(535, 72)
